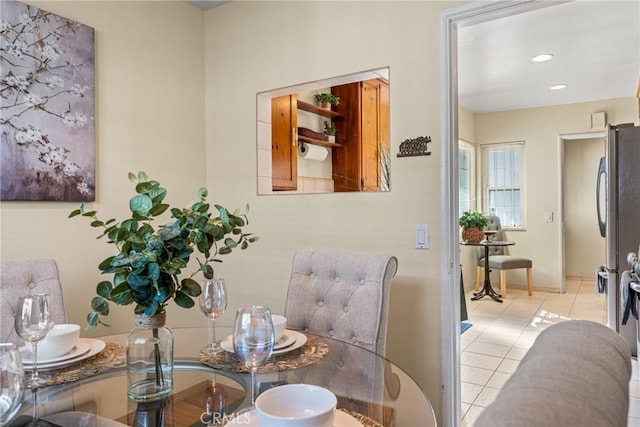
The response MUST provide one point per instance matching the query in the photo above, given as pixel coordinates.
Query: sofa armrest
(576, 374)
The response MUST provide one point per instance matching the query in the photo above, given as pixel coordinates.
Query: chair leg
(503, 283)
(479, 277)
(530, 281)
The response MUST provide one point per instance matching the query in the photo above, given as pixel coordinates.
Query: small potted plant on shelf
(330, 131)
(472, 223)
(326, 100)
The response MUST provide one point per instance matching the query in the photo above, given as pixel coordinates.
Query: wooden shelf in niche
(305, 106)
(318, 142)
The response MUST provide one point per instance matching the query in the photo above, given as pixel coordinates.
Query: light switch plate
(422, 236)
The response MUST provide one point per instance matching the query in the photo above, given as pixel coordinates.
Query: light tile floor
(502, 333)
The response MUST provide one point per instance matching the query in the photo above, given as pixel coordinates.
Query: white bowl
(60, 340)
(279, 326)
(296, 405)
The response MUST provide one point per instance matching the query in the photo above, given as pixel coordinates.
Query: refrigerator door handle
(602, 172)
(601, 280)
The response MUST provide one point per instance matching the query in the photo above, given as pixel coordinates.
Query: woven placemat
(363, 419)
(113, 355)
(312, 351)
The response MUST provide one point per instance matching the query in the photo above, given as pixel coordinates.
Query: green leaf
(157, 194)
(132, 177)
(92, 320)
(224, 250)
(230, 243)
(142, 176)
(90, 213)
(106, 263)
(104, 289)
(183, 300)
(244, 245)
(158, 209)
(122, 295)
(140, 204)
(191, 287)
(202, 193)
(100, 305)
(254, 239)
(75, 213)
(151, 309)
(97, 223)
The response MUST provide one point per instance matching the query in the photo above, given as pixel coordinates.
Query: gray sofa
(576, 374)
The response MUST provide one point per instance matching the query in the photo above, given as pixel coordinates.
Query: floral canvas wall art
(47, 148)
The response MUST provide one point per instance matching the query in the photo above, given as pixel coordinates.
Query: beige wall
(584, 247)
(247, 54)
(189, 120)
(149, 116)
(541, 128)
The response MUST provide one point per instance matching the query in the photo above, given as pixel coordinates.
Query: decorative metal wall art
(47, 148)
(415, 147)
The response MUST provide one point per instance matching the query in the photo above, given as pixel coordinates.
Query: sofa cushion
(576, 374)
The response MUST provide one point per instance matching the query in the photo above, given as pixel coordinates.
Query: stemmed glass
(11, 382)
(213, 303)
(32, 322)
(253, 340)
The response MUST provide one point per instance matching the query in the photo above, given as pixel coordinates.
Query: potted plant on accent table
(326, 100)
(330, 131)
(146, 270)
(473, 223)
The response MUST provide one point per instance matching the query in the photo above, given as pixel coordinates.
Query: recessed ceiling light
(541, 58)
(558, 87)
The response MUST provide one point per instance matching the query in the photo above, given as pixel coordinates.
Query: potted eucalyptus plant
(326, 100)
(146, 271)
(472, 224)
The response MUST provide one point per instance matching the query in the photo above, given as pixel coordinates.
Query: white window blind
(502, 182)
(466, 176)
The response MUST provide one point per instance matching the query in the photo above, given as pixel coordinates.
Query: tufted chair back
(16, 279)
(342, 295)
(494, 224)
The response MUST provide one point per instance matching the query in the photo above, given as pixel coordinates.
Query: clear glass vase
(149, 359)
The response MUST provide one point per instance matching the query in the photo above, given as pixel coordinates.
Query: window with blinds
(502, 182)
(466, 177)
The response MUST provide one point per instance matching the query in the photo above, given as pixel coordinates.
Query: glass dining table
(371, 390)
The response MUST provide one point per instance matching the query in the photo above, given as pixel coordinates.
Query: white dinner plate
(299, 337)
(96, 347)
(249, 419)
(285, 341)
(81, 347)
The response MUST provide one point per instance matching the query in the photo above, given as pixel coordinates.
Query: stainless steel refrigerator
(618, 184)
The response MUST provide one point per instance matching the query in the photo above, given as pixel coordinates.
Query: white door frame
(450, 20)
(561, 140)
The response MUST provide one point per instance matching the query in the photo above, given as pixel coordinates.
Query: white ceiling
(596, 48)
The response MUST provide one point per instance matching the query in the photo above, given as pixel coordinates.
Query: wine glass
(11, 382)
(253, 340)
(213, 303)
(32, 322)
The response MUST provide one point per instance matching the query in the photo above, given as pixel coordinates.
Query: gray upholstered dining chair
(19, 278)
(342, 295)
(500, 260)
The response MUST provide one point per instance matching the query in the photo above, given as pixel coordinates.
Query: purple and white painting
(47, 148)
